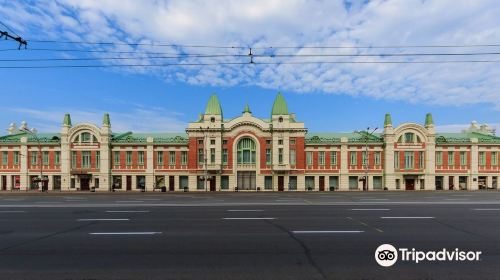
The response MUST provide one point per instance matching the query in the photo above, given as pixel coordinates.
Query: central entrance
(410, 184)
(246, 180)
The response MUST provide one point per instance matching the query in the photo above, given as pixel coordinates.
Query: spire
(387, 120)
(67, 120)
(279, 106)
(247, 109)
(105, 120)
(428, 119)
(213, 106)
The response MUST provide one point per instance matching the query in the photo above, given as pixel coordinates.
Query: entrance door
(212, 184)
(4, 183)
(410, 184)
(171, 183)
(84, 184)
(281, 183)
(129, 183)
(321, 183)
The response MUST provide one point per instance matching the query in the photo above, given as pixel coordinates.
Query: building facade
(247, 153)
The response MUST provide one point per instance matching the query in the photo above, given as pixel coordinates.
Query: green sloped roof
(213, 106)
(167, 138)
(42, 137)
(465, 137)
(279, 106)
(334, 137)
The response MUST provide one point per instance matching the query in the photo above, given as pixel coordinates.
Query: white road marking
(151, 199)
(89, 220)
(127, 211)
(126, 233)
(128, 201)
(245, 210)
(407, 217)
(326, 231)
(12, 211)
(248, 218)
(373, 199)
(487, 209)
(48, 202)
(457, 199)
(370, 209)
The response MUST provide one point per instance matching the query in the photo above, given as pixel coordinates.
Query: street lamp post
(367, 134)
(33, 132)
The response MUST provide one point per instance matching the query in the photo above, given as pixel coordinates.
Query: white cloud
(294, 23)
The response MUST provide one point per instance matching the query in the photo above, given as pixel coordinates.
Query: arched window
(246, 151)
(409, 137)
(85, 137)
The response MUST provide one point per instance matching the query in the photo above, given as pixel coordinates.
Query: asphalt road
(244, 235)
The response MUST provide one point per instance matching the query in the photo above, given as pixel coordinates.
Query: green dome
(387, 120)
(213, 106)
(279, 106)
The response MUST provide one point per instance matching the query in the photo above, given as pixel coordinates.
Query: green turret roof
(428, 119)
(247, 109)
(279, 106)
(213, 106)
(67, 120)
(105, 120)
(387, 120)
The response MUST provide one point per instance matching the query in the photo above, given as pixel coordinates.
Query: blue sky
(326, 97)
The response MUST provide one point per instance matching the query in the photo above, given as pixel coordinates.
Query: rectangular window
(212, 141)
(409, 160)
(463, 158)
(140, 157)
(421, 160)
(85, 159)
(396, 160)
(439, 158)
(321, 158)
(116, 158)
(159, 158)
(333, 182)
(451, 158)
(224, 182)
(16, 158)
(377, 182)
(309, 158)
(353, 182)
(268, 156)
(309, 183)
(364, 158)
(353, 158)
(494, 158)
(333, 158)
(184, 157)
(280, 141)
(293, 157)
(128, 158)
(5, 158)
(34, 158)
(292, 141)
(73, 159)
(200, 142)
(377, 158)
(280, 155)
(171, 158)
(57, 158)
(98, 159)
(268, 142)
(212, 155)
(200, 183)
(224, 156)
(183, 182)
(224, 142)
(200, 156)
(482, 159)
(45, 157)
(292, 183)
(268, 182)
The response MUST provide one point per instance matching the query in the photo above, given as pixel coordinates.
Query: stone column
(474, 165)
(344, 164)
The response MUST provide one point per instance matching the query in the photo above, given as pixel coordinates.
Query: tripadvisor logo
(387, 255)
